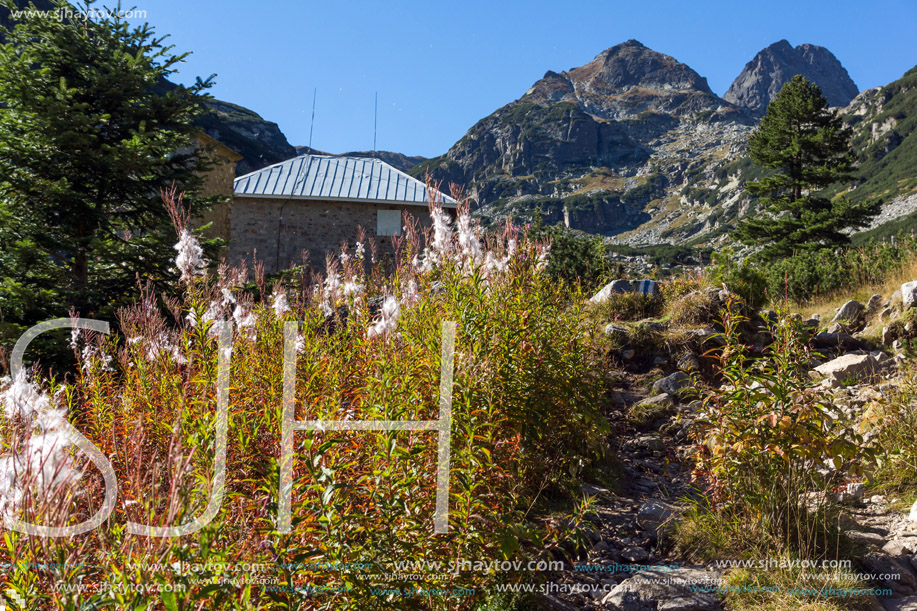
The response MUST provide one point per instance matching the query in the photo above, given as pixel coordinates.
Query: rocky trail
(629, 563)
(629, 524)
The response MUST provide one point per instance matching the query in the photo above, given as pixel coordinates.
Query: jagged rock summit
(772, 67)
(625, 80)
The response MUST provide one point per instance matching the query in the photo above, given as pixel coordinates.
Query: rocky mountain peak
(625, 80)
(631, 64)
(773, 66)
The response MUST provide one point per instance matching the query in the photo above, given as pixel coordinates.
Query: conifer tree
(806, 146)
(90, 132)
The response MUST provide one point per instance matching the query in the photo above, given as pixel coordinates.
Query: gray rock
(657, 517)
(633, 553)
(615, 286)
(856, 490)
(627, 354)
(880, 564)
(662, 590)
(906, 603)
(836, 340)
(613, 329)
(671, 384)
(849, 311)
(901, 547)
(849, 366)
(660, 400)
(909, 294)
(649, 288)
(912, 517)
(836, 328)
(874, 303)
(865, 538)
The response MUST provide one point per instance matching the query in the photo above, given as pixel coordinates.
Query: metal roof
(336, 178)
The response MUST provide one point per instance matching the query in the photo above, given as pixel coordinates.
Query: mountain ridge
(634, 146)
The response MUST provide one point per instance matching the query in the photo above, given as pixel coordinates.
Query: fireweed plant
(772, 449)
(527, 387)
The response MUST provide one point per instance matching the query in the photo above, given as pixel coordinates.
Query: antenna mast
(312, 127)
(375, 122)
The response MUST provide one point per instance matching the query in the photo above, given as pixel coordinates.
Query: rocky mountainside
(883, 123)
(260, 142)
(774, 66)
(636, 147)
(601, 141)
(398, 161)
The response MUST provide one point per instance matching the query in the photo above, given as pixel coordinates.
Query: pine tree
(806, 146)
(90, 132)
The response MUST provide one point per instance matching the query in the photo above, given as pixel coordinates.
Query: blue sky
(439, 66)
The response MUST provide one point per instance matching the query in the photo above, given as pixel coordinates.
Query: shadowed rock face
(770, 69)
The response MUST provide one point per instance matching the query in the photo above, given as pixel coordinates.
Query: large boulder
(649, 288)
(849, 311)
(661, 588)
(648, 411)
(891, 572)
(909, 294)
(841, 340)
(615, 286)
(849, 366)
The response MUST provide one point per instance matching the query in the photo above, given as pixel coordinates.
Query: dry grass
(828, 304)
(777, 590)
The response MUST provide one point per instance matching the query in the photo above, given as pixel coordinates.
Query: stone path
(626, 568)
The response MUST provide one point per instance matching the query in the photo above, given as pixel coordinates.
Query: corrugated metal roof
(335, 178)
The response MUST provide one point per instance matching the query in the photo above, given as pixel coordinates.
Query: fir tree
(807, 147)
(90, 132)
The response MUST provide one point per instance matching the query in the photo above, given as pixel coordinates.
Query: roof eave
(355, 200)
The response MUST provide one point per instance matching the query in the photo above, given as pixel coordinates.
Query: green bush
(761, 437)
(525, 415)
(745, 279)
(574, 258)
(811, 274)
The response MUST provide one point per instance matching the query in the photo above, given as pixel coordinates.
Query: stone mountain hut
(314, 203)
